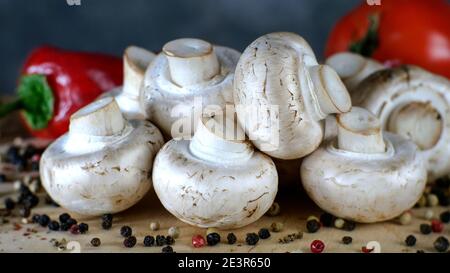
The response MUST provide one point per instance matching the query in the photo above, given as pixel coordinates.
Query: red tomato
(402, 31)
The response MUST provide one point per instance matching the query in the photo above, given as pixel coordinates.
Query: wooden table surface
(295, 208)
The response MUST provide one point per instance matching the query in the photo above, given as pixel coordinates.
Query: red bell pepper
(397, 31)
(55, 83)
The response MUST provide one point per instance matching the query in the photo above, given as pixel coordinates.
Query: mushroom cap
(165, 102)
(282, 94)
(365, 187)
(394, 93)
(93, 175)
(212, 194)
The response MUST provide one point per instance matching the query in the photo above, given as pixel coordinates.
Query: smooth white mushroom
(361, 175)
(353, 68)
(188, 75)
(135, 62)
(217, 179)
(415, 104)
(282, 95)
(103, 164)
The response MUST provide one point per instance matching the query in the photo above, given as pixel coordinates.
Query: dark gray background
(110, 25)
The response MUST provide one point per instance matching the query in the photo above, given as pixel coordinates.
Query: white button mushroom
(135, 62)
(185, 71)
(103, 164)
(362, 176)
(415, 104)
(282, 95)
(216, 179)
(353, 68)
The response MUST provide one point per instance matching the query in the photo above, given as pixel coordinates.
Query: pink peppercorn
(366, 250)
(437, 226)
(317, 246)
(74, 229)
(198, 241)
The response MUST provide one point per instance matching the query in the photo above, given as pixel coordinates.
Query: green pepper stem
(7, 108)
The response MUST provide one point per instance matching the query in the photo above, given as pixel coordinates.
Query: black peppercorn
(83, 227)
(71, 222)
(264, 233)
(35, 218)
(445, 217)
(327, 219)
(2, 178)
(441, 244)
(53, 225)
(107, 217)
(64, 217)
(170, 240)
(126, 231)
(44, 220)
(410, 240)
(346, 240)
(24, 212)
(213, 238)
(443, 182)
(95, 242)
(160, 240)
(425, 229)
(9, 204)
(31, 201)
(349, 225)
(420, 251)
(149, 241)
(167, 249)
(312, 226)
(64, 226)
(129, 241)
(252, 239)
(231, 238)
(12, 154)
(106, 224)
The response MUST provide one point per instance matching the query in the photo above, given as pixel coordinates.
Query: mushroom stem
(191, 61)
(360, 131)
(100, 118)
(332, 96)
(417, 121)
(220, 140)
(135, 62)
(353, 68)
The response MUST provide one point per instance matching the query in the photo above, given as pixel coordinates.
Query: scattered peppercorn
(317, 246)
(9, 204)
(425, 229)
(405, 218)
(437, 226)
(428, 215)
(339, 223)
(291, 237)
(126, 231)
(174, 232)
(24, 212)
(83, 227)
(274, 210)
(167, 249)
(367, 250)
(44, 220)
(420, 251)
(432, 200)
(31, 201)
(252, 239)
(74, 229)
(129, 241)
(410, 240)
(107, 217)
(312, 226)
(441, 244)
(160, 240)
(312, 217)
(349, 226)
(95, 242)
(149, 241)
(276, 227)
(35, 218)
(231, 238)
(64, 227)
(346, 240)
(327, 219)
(53, 225)
(169, 240)
(422, 202)
(71, 222)
(198, 241)
(264, 233)
(64, 217)
(445, 216)
(2, 178)
(154, 226)
(213, 238)
(106, 224)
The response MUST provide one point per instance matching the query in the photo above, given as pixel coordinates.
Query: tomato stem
(369, 43)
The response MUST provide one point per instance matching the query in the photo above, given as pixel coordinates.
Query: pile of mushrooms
(415, 104)
(188, 75)
(103, 164)
(217, 179)
(363, 174)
